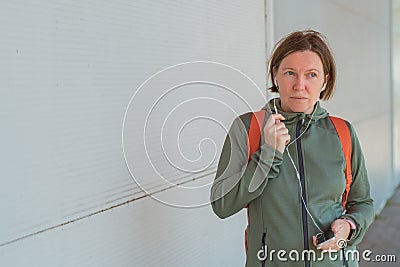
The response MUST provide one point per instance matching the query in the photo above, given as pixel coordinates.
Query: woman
(293, 184)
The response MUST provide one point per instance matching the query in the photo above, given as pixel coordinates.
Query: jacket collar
(294, 117)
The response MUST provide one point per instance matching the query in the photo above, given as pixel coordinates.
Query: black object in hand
(325, 236)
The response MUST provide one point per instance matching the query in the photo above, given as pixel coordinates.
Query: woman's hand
(341, 229)
(275, 132)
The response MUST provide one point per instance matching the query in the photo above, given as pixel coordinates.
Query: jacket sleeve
(359, 204)
(237, 181)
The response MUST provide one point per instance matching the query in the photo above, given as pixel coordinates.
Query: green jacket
(269, 186)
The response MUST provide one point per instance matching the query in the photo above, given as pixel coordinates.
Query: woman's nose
(300, 83)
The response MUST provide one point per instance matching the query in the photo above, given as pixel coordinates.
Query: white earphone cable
(295, 168)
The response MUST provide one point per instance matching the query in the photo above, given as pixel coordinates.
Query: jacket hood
(293, 117)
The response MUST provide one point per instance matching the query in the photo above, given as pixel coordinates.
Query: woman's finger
(273, 119)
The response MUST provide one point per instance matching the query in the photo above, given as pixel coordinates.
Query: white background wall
(69, 70)
(396, 85)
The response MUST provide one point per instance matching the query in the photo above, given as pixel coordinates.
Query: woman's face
(300, 78)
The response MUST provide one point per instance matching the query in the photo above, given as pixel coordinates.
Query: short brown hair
(299, 41)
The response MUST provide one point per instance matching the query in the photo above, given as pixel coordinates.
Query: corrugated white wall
(69, 70)
(359, 34)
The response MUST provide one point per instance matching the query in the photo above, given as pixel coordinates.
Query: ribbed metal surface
(68, 72)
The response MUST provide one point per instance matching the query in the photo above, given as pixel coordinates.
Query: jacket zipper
(303, 185)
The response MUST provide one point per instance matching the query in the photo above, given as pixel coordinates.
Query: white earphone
(323, 87)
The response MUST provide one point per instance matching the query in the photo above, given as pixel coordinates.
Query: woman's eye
(290, 72)
(313, 75)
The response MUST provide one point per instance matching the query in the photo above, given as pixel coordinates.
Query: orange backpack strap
(253, 141)
(345, 139)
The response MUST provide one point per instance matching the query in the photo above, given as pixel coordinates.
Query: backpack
(253, 143)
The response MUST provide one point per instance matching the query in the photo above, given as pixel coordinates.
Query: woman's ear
(274, 73)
